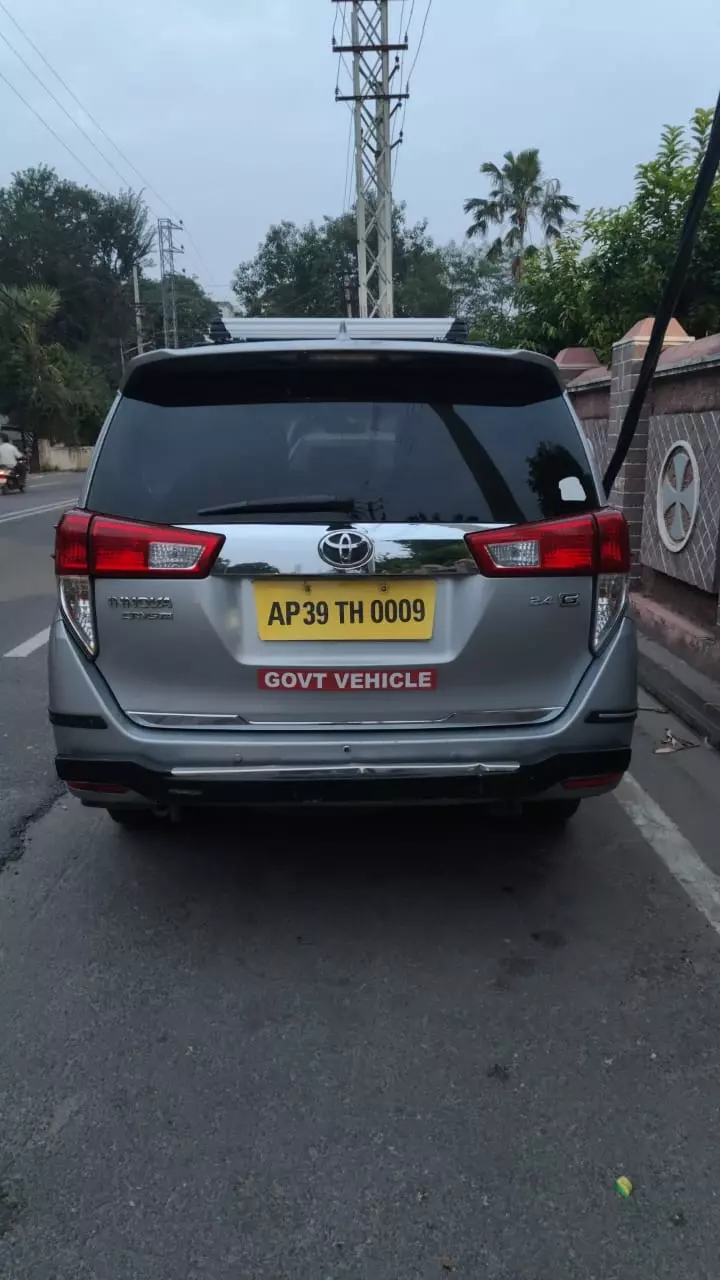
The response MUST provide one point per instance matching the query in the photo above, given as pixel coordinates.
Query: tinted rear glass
(435, 439)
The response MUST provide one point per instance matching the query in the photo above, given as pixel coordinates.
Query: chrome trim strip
(286, 549)
(184, 720)
(211, 720)
(340, 771)
(350, 724)
(468, 719)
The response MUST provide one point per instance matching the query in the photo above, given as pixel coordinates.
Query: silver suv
(342, 569)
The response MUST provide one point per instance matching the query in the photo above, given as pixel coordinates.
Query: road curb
(691, 697)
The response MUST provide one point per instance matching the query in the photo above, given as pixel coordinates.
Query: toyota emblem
(346, 549)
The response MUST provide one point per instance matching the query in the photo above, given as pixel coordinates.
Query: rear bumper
(572, 775)
(97, 743)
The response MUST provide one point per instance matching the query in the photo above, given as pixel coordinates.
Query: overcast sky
(227, 106)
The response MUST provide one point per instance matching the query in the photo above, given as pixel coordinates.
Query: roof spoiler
(297, 328)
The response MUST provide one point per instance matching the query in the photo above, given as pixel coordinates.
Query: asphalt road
(27, 601)
(377, 1047)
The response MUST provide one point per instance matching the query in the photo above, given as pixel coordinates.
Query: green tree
(482, 292)
(44, 388)
(83, 244)
(195, 310)
(520, 195)
(312, 270)
(595, 281)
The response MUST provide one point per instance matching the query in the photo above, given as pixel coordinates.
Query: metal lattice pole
(373, 98)
(166, 252)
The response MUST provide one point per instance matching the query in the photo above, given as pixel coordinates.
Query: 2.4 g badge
(566, 599)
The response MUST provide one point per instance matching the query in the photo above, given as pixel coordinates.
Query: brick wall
(672, 472)
(591, 400)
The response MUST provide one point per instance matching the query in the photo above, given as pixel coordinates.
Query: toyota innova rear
(341, 571)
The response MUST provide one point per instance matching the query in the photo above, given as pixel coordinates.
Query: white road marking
(49, 484)
(36, 511)
(29, 646)
(681, 859)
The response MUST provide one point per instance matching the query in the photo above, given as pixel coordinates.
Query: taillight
(558, 546)
(89, 546)
(71, 567)
(123, 549)
(593, 545)
(71, 543)
(613, 542)
(107, 548)
(611, 587)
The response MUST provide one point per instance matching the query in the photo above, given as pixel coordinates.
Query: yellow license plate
(349, 609)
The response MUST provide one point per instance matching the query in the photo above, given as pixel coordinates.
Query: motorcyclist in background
(12, 457)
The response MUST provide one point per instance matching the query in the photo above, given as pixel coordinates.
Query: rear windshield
(447, 440)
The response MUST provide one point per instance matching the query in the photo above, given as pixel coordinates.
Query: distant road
(27, 602)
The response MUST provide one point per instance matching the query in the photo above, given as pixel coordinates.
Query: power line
(346, 189)
(64, 110)
(203, 264)
(344, 38)
(55, 135)
(123, 177)
(402, 38)
(422, 37)
(412, 68)
(88, 113)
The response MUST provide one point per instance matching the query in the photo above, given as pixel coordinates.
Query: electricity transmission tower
(166, 251)
(374, 106)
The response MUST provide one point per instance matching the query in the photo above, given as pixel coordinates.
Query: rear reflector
(105, 548)
(582, 545)
(592, 784)
(110, 788)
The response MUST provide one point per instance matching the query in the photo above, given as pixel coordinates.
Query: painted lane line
(29, 646)
(681, 859)
(36, 511)
(50, 484)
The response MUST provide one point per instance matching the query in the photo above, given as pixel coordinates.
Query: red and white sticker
(415, 679)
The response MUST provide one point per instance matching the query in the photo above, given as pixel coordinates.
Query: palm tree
(520, 195)
(43, 386)
(30, 367)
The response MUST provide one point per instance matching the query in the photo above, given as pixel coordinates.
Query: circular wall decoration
(678, 494)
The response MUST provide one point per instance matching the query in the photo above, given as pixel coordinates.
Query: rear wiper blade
(313, 502)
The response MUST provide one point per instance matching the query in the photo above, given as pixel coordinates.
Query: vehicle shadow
(326, 876)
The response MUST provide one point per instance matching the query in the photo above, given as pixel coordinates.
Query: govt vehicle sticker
(416, 679)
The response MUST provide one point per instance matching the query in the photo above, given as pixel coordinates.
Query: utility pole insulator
(371, 97)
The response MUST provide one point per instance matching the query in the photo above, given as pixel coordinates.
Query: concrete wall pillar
(629, 491)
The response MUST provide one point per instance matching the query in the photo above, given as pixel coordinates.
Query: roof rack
(296, 328)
